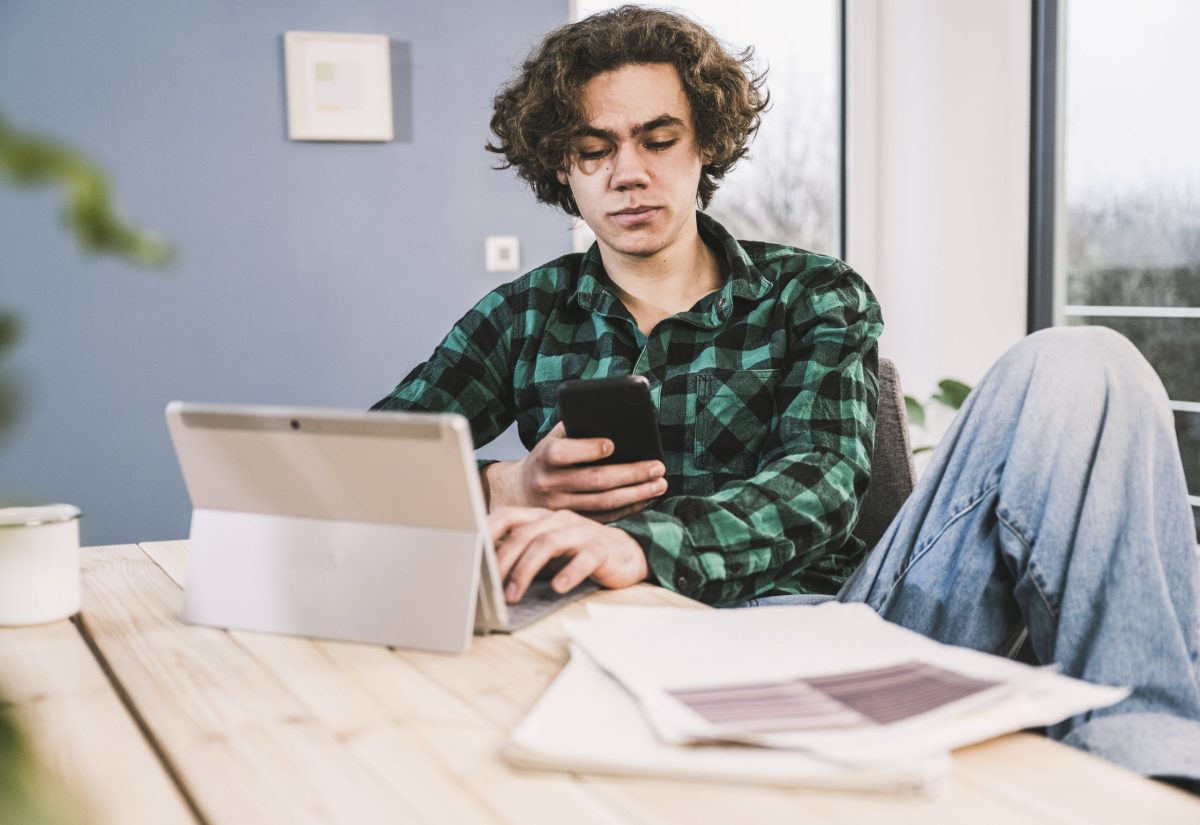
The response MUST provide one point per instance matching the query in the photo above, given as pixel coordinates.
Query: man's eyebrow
(660, 122)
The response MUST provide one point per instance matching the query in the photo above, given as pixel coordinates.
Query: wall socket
(502, 253)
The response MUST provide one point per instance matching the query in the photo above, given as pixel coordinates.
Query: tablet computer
(341, 524)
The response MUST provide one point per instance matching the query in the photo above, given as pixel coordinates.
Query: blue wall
(308, 273)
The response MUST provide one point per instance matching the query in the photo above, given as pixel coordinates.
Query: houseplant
(950, 394)
(26, 795)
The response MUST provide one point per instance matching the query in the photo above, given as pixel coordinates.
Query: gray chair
(892, 473)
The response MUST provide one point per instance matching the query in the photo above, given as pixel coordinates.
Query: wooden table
(151, 720)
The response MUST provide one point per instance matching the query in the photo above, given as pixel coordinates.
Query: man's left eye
(661, 145)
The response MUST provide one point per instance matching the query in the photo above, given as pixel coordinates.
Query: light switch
(502, 253)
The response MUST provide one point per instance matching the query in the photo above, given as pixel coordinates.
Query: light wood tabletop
(149, 720)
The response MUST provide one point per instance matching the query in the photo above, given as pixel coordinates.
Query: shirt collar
(591, 288)
(745, 280)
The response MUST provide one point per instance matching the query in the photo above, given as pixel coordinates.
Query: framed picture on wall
(339, 86)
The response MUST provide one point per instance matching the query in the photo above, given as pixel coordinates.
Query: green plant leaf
(10, 331)
(28, 793)
(27, 160)
(951, 393)
(12, 404)
(10, 396)
(915, 410)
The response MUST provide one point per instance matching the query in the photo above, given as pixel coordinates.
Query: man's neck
(670, 281)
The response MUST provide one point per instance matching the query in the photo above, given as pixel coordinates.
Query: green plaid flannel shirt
(766, 392)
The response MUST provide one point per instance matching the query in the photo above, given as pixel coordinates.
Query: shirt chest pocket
(734, 410)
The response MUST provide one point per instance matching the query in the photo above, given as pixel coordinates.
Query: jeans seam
(966, 508)
(1038, 585)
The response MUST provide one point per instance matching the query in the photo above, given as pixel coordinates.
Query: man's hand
(526, 538)
(550, 477)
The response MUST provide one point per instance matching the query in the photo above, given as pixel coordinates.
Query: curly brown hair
(538, 113)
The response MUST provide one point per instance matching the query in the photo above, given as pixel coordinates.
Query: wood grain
(428, 728)
(1052, 782)
(80, 730)
(246, 748)
(435, 753)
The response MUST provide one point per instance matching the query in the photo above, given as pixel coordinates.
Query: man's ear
(562, 177)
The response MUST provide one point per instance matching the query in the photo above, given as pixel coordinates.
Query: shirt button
(721, 303)
(681, 583)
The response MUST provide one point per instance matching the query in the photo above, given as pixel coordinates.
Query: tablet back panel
(339, 524)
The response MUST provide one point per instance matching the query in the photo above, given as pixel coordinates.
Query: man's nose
(629, 169)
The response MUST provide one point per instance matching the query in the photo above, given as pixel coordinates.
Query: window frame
(1047, 198)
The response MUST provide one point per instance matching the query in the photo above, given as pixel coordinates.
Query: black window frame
(1043, 163)
(1044, 139)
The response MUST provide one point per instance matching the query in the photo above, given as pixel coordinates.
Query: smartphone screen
(618, 408)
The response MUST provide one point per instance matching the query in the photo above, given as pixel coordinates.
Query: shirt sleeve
(788, 527)
(468, 373)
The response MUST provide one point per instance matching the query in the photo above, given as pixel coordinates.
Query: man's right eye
(592, 154)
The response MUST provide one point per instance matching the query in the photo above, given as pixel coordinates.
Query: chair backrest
(892, 473)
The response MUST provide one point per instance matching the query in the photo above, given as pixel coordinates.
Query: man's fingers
(515, 543)
(579, 568)
(564, 452)
(503, 519)
(608, 476)
(538, 551)
(609, 555)
(615, 499)
(502, 523)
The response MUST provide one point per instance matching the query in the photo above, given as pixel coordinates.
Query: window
(1126, 253)
(789, 189)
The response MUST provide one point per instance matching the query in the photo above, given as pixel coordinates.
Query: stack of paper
(820, 696)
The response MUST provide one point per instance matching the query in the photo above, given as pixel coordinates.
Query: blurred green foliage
(29, 160)
(26, 793)
(950, 393)
(10, 399)
(88, 212)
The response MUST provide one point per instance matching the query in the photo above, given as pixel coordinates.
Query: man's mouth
(635, 215)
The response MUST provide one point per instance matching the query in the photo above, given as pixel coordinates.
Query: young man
(1053, 521)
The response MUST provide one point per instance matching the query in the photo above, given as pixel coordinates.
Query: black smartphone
(618, 408)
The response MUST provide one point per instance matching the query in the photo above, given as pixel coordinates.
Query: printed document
(864, 702)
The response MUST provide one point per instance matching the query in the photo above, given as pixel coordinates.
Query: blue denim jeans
(1054, 517)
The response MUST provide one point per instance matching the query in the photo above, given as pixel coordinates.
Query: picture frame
(339, 86)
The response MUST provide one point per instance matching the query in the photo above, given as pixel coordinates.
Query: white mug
(39, 564)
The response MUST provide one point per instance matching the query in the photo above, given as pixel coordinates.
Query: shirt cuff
(661, 538)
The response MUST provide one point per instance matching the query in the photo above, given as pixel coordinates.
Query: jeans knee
(1090, 353)
(1081, 343)
(1081, 369)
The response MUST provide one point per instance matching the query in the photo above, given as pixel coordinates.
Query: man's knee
(1078, 362)
(1086, 352)
(1081, 343)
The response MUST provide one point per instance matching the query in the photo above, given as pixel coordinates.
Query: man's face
(635, 170)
